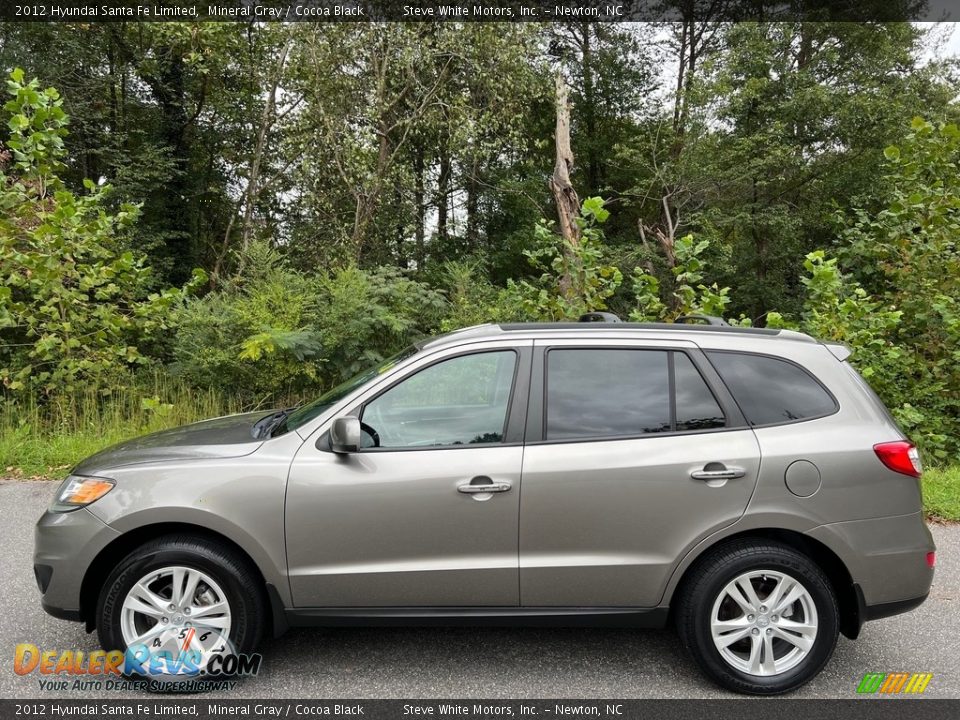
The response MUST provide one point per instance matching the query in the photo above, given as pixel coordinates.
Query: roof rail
(697, 319)
(604, 317)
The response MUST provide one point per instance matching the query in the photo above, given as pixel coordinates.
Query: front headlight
(76, 492)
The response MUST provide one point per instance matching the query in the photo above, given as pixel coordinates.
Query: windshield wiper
(265, 426)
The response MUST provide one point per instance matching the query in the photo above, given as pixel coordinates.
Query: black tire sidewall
(232, 576)
(710, 584)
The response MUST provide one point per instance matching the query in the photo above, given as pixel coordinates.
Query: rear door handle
(721, 473)
(484, 485)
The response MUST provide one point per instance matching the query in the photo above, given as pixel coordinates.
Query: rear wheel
(758, 617)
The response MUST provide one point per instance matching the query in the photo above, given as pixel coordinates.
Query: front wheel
(177, 602)
(758, 617)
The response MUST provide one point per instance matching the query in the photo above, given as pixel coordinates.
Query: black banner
(740, 709)
(475, 10)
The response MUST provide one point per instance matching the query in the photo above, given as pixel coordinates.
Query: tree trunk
(251, 193)
(443, 194)
(419, 209)
(568, 204)
(473, 199)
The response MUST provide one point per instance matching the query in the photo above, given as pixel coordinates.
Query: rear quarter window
(771, 391)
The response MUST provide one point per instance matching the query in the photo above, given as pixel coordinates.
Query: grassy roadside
(941, 493)
(38, 443)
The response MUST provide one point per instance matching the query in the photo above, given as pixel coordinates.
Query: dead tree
(568, 204)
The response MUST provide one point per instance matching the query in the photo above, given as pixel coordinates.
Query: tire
(217, 573)
(714, 602)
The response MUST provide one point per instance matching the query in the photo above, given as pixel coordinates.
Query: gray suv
(744, 485)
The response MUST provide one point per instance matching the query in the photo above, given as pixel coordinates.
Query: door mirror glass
(345, 435)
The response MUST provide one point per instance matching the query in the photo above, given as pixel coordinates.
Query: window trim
(516, 401)
(805, 371)
(733, 417)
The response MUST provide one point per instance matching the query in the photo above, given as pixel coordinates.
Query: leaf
(891, 152)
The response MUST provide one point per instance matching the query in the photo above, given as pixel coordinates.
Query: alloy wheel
(176, 610)
(764, 622)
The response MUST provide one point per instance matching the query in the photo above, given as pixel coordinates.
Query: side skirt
(478, 616)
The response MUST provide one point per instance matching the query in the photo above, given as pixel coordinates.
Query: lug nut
(186, 611)
(756, 631)
(775, 618)
(763, 608)
(750, 618)
(769, 631)
(171, 607)
(164, 620)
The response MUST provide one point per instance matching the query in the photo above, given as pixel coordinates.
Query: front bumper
(65, 544)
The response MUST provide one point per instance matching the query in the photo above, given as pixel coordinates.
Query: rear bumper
(876, 612)
(886, 558)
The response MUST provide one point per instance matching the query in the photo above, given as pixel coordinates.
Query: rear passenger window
(606, 392)
(697, 408)
(771, 391)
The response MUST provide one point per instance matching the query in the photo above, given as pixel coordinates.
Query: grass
(45, 442)
(941, 493)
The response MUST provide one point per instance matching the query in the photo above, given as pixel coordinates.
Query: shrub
(278, 333)
(74, 305)
(591, 282)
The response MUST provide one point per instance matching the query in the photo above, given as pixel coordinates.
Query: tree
(795, 142)
(74, 304)
(564, 194)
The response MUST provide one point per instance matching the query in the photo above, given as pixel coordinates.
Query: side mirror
(345, 435)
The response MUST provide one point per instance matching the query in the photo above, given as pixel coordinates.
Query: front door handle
(482, 484)
(718, 471)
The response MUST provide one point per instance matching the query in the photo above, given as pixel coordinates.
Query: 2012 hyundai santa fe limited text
(743, 485)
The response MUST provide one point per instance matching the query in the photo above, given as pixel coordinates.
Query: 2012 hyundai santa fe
(743, 484)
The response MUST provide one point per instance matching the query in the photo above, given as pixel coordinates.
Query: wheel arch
(849, 597)
(124, 544)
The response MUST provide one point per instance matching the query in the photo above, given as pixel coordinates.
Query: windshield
(306, 413)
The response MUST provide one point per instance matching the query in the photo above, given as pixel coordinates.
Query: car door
(425, 514)
(635, 452)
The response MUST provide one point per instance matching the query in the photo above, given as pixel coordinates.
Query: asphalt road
(487, 663)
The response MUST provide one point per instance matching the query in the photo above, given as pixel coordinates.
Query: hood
(223, 437)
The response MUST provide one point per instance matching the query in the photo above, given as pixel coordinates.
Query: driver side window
(460, 401)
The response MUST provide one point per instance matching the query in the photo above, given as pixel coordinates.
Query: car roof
(547, 330)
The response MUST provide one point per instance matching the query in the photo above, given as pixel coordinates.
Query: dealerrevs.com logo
(190, 666)
(895, 683)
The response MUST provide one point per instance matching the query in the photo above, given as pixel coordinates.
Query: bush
(591, 282)
(74, 305)
(277, 333)
(907, 256)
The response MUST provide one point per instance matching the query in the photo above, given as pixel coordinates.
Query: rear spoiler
(840, 352)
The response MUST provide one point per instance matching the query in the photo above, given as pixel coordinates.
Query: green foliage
(580, 264)
(689, 294)
(472, 299)
(275, 332)
(74, 303)
(906, 253)
(366, 316)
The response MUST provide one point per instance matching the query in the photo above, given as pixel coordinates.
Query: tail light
(900, 456)
(931, 559)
